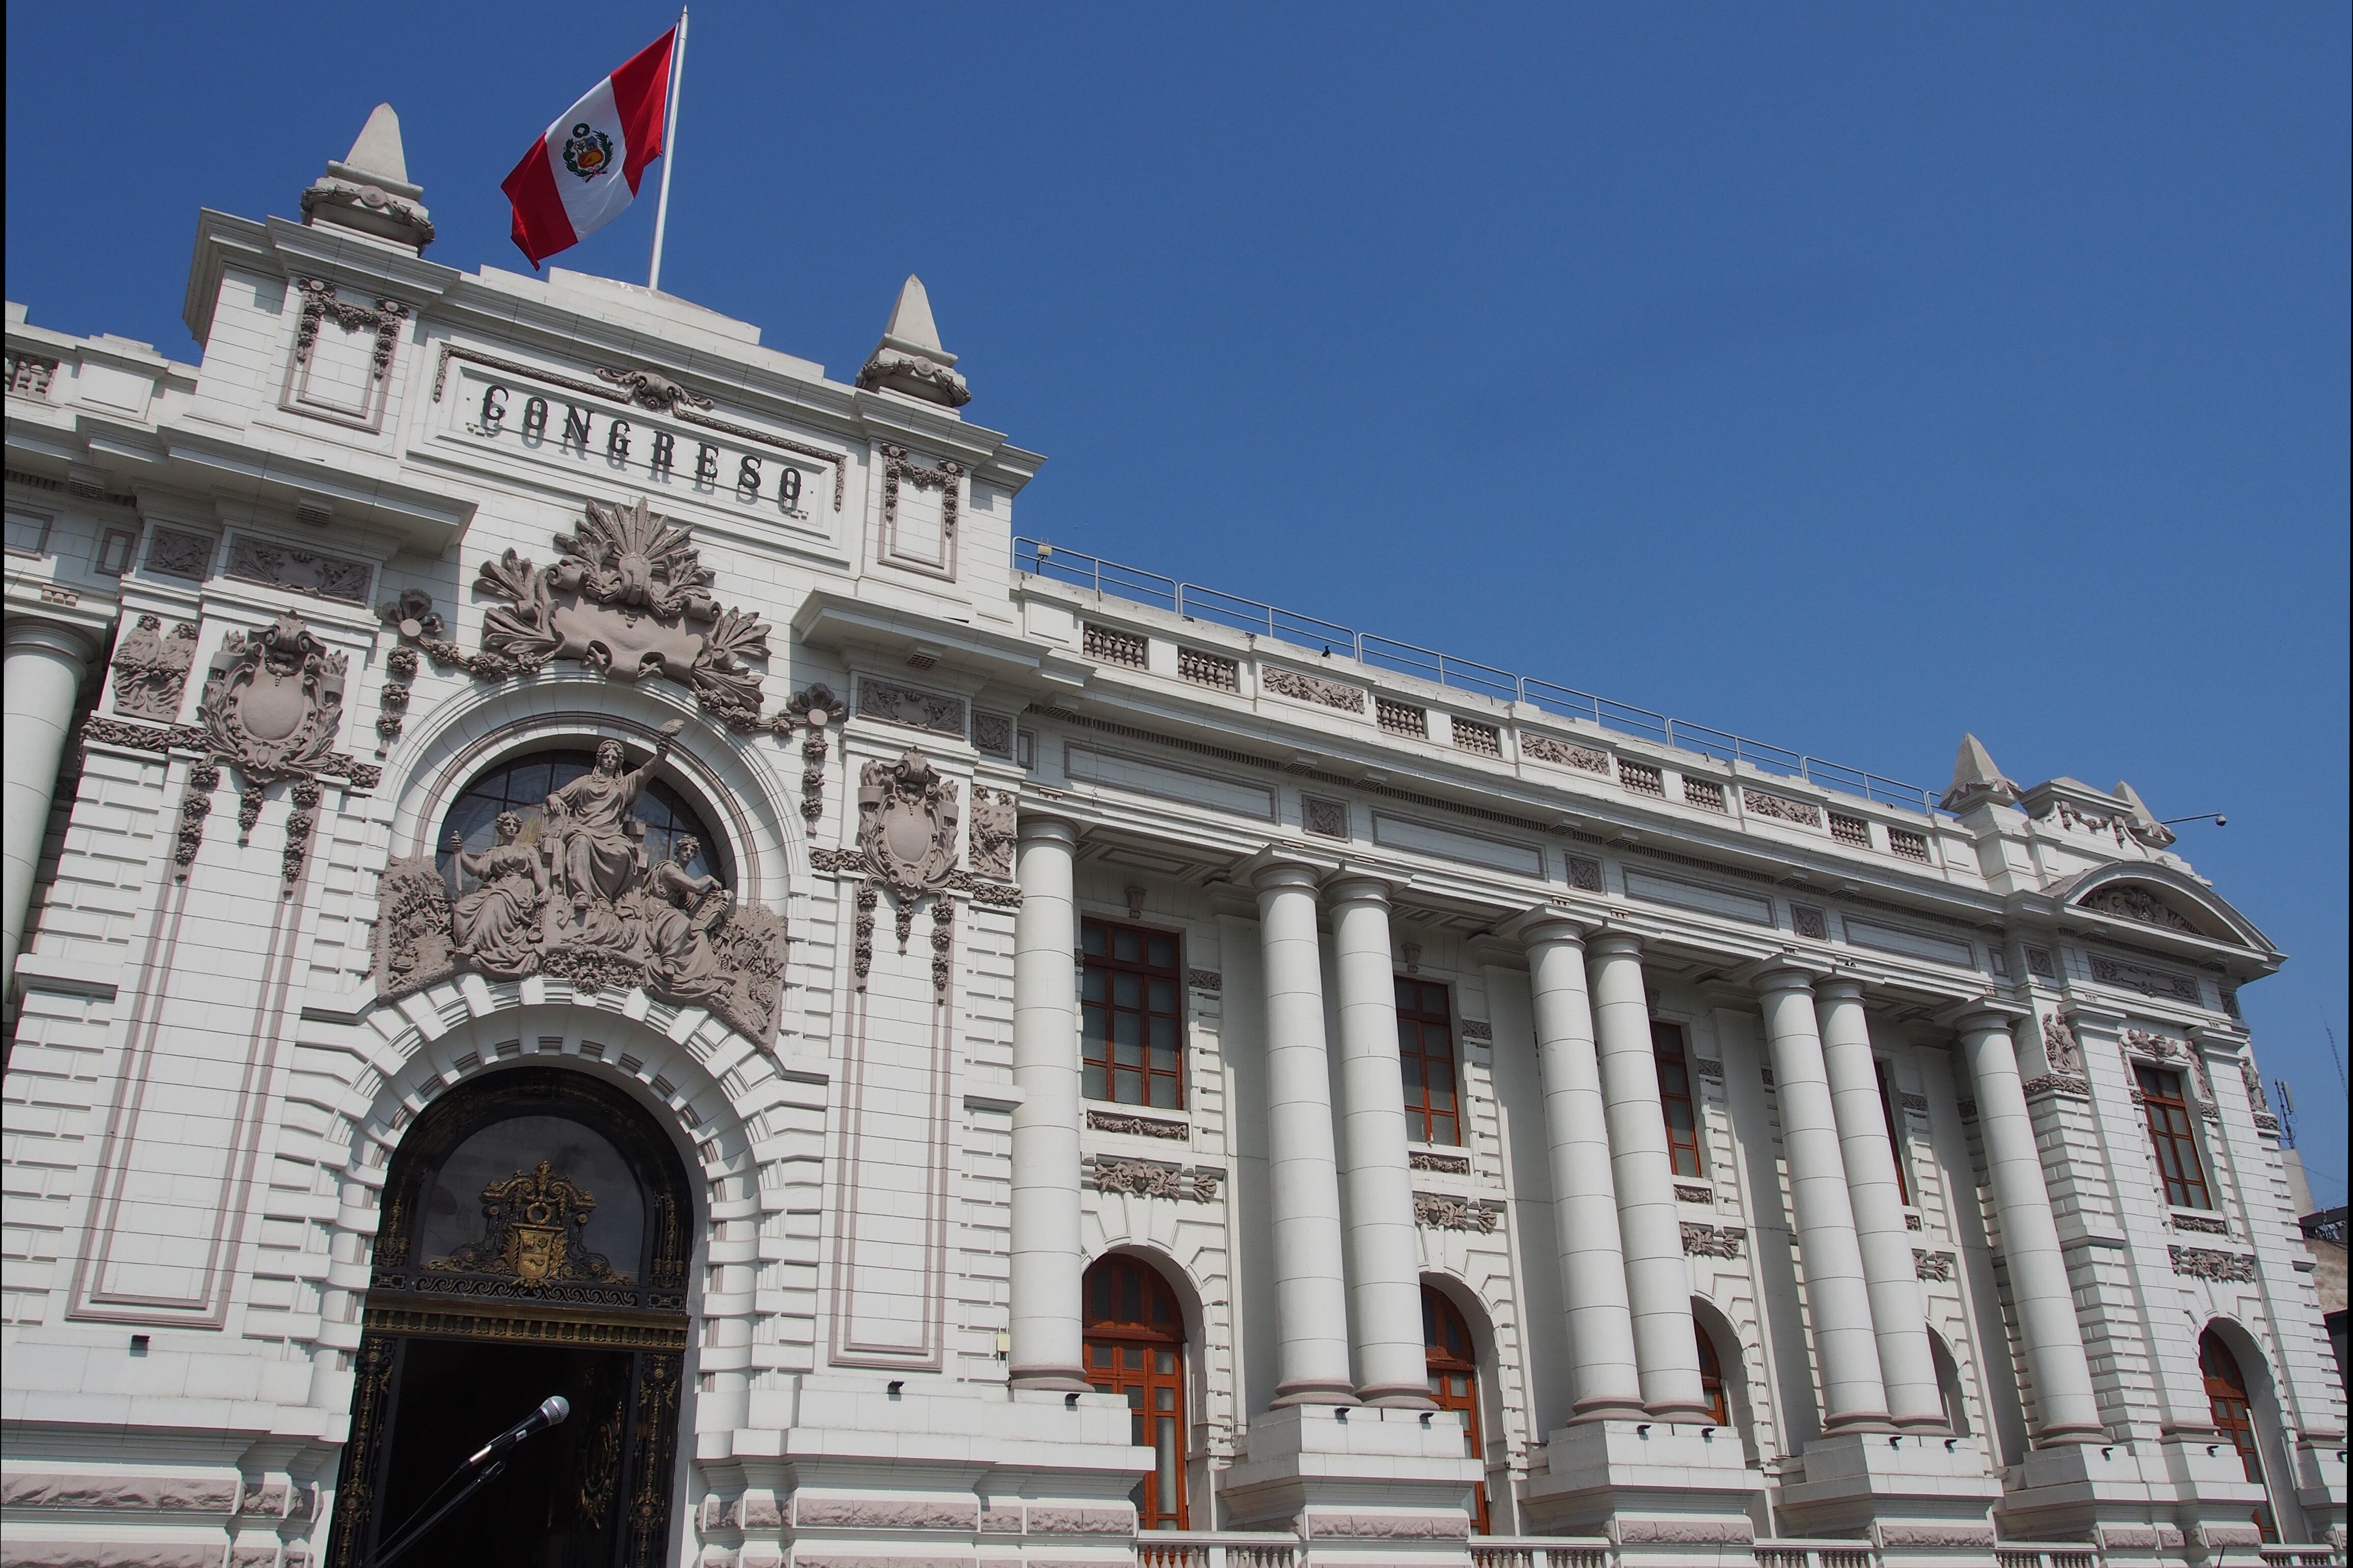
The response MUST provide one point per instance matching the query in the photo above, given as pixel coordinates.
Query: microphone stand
(412, 1533)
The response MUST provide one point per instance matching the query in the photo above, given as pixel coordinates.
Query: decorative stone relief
(1708, 1068)
(300, 826)
(1442, 1211)
(1710, 1241)
(1313, 689)
(2205, 1263)
(297, 569)
(392, 699)
(1685, 1193)
(1204, 980)
(2147, 981)
(2201, 1223)
(1584, 758)
(1804, 812)
(196, 805)
(584, 905)
(151, 669)
(629, 597)
(1478, 1029)
(943, 947)
(1926, 1264)
(910, 707)
(650, 389)
(1683, 1532)
(1138, 1126)
(994, 826)
(1153, 1179)
(1809, 921)
(2254, 1081)
(2059, 1047)
(2039, 964)
(897, 468)
(2127, 901)
(173, 553)
(1584, 874)
(813, 707)
(2141, 1042)
(320, 303)
(1911, 1222)
(1325, 818)
(1431, 1160)
(992, 734)
(907, 816)
(1918, 1104)
(272, 702)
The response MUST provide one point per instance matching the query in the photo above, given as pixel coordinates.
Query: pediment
(2166, 901)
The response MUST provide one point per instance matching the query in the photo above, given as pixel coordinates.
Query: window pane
(1093, 939)
(1126, 946)
(1126, 991)
(1162, 952)
(1163, 1092)
(1093, 1082)
(1164, 996)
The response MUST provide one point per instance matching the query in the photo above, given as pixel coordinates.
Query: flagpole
(670, 148)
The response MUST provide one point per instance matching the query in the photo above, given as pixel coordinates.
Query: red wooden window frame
(2234, 1414)
(1894, 1134)
(1711, 1378)
(1433, 1087)
(1131, 1008)
(1136, 1346)
(2174, 1138)
(1676, 1099)
(1453, 1361)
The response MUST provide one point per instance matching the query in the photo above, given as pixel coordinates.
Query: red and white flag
(584, 172)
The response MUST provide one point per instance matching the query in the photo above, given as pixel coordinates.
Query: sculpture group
(584, 903)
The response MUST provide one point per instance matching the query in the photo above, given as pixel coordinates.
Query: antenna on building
(2286, 1112)
(2336, 1056)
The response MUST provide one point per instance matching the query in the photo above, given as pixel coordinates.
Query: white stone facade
(1984, 1331)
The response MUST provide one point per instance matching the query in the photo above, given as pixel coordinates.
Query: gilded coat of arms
(532, 1227)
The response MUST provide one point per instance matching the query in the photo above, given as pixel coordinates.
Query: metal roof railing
(1196, 601)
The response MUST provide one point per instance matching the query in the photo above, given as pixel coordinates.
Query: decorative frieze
(172, 554)
(1153, 1179)
(1927, 1265)
(1810, 922)
(296, 570)
(1584, 873)
(1710, 1240)
(2040, 963)
(1708, 1068)
(1138, 1126)
(1302, 687)
(2146, 981)
(1567, 754)
(1691, 1193)
(992, 734)
(1208, 980)
(910, 707)
(1762, 802)
(1323, 817)
(1442, 1211)
(1479, 1029)
(151, 669)
(1211, 669)
(2132, 902)
(2205, 1263)
(1432, 1160)
(2207, 1225)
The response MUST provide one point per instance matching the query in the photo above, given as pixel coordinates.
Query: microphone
(551, 1412)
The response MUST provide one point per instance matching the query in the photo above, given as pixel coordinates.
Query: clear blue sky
(1848, 376)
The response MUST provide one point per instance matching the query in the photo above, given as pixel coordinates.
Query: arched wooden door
(1453, 1361)
(534, 1241)
(1136, 1346)
(2234, 1413)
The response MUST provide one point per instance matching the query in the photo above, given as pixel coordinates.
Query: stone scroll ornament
(573, 895)
(628, 596)
(272, 703)
(813, 707)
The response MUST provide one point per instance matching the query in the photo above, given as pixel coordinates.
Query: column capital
(1352, 887)
(1623, 943)
(1278, 866)
(1980, 1013)
(1546, 923)
(1036, 829)
(31, 633)
(1840, 988)
(1782, 971)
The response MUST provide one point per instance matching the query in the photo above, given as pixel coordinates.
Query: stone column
(1048, 1351)
(1585, 1201)
(1658, 1280)
(1311, 1290)
(1838, 1299)
(1907, 1368)
(45, 664)
(2068, 1411)
(1383, 1248)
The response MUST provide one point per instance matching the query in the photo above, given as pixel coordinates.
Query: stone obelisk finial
(908, 359)
(367, 189)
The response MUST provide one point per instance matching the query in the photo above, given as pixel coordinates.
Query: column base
(1055, 1379)
(1398, 1396)
(1683, 1414)
(1858, 1421)
(1898, 1489)
(1607, 1408)
(2139, 1496)
(1289, 1394)
(1646, 1480)
(1368, 1475)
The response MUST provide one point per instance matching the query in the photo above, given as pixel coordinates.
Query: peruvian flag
(581, 173)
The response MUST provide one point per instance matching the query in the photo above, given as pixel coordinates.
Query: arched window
(2234, 1414)
(523, 785)
(1453, 1361)
(1136, 1346)
(1711, 1378)
(1948, 1385)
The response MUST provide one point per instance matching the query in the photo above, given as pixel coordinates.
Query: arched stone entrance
(535, 1240)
